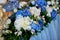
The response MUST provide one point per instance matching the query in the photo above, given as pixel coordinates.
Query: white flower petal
(8, 21)
(21, 4)
(34, 11)
(22, 22)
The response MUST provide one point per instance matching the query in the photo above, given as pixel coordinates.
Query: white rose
(22, 22)
(34, 11)
(21, 4)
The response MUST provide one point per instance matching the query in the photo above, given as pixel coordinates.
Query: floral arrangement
(28, 18)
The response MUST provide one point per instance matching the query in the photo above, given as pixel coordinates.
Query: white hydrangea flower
(49, 10)
(21, 4)
(22, 22)
(34, 11)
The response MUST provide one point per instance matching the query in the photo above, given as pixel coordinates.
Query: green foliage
(47, 18)
(48, 0)
(31, 5)
(34, 18)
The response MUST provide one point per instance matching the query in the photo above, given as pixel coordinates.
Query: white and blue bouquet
(28, 18)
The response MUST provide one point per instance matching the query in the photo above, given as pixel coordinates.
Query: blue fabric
(52, 32)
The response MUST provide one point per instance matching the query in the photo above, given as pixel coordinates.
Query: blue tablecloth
(52, 32)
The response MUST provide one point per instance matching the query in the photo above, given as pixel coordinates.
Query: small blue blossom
(8, 7)
(41, 3)
(23, 12)
(43, 8)
(41, 22)
(53, 14)
(35, 26)
(12, 0)
(15, 4)
(11, 5)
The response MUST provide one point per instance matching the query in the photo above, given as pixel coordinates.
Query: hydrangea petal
(41, 22)
(24, 12)
(53, 14)
(41, 3)
(11, 5)
(36, 27)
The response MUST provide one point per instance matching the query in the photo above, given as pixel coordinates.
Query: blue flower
(15, 4)
(11, 5)
(8, 7)
(12, 0)
(23, 12)
(41, 3)
(53, 14)
(43, 8)
(35, 26)
(41, 22)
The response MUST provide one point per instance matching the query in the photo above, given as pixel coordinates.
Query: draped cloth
(52, 32)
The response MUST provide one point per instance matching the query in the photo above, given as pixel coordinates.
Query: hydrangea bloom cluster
(28, 18)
